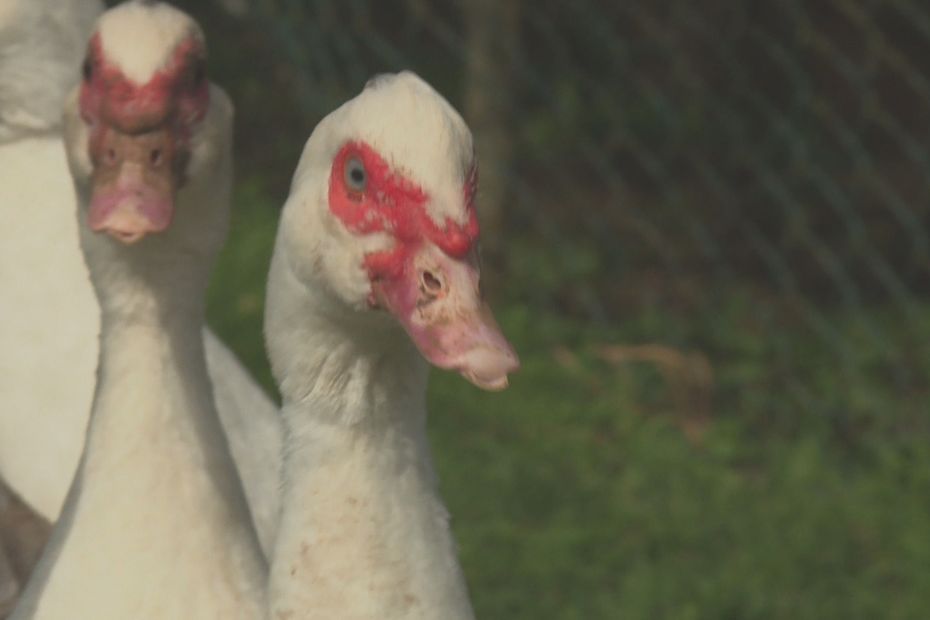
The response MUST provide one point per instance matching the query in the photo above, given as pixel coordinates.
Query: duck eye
(87, 69)
(355, 176)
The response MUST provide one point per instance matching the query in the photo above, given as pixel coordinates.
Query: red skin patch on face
(429, 280)
(393, 204)
(139, 137)
(177, 94)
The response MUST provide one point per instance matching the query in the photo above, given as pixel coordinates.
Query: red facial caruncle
(139, 137)
(393, 204)
(429, 279)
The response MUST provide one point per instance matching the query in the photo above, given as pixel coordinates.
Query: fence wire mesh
(764, 162)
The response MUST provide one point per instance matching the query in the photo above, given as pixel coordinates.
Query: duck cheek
(437, 300)
(135, 180)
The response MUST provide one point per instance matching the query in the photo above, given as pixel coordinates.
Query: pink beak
(135, 180)
(438, 302)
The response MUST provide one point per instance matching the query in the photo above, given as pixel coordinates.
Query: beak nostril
(155, 157)
(431, 282)
(111, 156)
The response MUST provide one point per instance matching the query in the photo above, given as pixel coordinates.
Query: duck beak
(135, 180)
(437, 300)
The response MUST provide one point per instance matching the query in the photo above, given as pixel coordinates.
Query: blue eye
(356, 177)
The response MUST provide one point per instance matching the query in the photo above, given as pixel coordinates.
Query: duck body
(156, 523)
(50, 316)
(50, 324)
(374, 273)
(364, 532)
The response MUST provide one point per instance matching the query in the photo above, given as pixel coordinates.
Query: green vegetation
(601, 488)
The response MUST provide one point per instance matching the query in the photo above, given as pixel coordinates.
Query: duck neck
(364, 533)
(152, 374)
(156, 493)
(151, 380)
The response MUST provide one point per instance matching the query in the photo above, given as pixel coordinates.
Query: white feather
(41, 48)
(50, 318)
(156, 524)
(140, 38)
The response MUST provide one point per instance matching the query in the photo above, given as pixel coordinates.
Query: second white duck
(50, 316)
(156, 524)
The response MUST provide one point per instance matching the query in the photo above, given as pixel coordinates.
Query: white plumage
(156, 523)
(364, 533)
(50, 318)
(41, 46)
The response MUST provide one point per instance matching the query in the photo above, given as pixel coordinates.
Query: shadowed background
(706, 231)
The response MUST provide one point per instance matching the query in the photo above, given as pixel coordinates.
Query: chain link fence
(751, 167)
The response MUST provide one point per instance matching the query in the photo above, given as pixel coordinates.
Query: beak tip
(489, 369)
(496, 384)
(128, 221)
(125, 237)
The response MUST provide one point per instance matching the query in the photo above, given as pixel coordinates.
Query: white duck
(50, 317)
(380, 216)
(156, 524)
